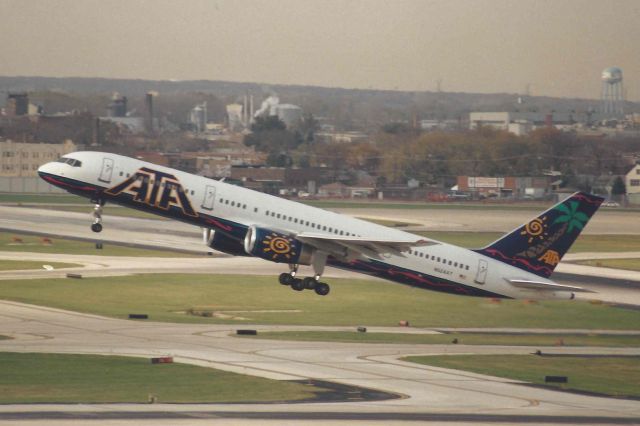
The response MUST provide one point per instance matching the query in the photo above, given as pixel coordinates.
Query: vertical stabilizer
(539, 245)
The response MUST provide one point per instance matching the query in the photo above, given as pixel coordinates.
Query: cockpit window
(70, 161)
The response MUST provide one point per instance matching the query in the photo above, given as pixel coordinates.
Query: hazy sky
(557, 47)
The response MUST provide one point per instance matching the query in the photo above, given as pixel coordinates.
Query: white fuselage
(231, 203)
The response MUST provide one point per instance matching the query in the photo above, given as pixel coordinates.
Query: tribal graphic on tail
(539, 245)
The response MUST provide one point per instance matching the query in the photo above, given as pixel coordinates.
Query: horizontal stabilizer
(540, 285)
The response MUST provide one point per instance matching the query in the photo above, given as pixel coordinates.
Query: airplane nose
(48, 169)
(45, 168)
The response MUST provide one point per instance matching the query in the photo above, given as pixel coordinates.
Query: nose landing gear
(96, 226)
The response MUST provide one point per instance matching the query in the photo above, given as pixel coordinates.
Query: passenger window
(278, 215)
(255, 210)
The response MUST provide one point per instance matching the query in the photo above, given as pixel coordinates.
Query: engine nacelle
(276, 247)
(221, 242)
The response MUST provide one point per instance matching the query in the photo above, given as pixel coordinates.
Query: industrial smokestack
(251, 109)
(245, 112)
(148, 113)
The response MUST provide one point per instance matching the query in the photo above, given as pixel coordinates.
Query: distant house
(334, 190)
(632, 181)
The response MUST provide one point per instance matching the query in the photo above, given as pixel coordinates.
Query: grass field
(14, 265)
(16, 242)
(461, 338)
(241, 299)
(613, 376)
(52, 378)
(629, 264)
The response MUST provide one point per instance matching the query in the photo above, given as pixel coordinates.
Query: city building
(341, 137)
(510, 187)
(23, 159)
(288, 113)
(275, 180)
(118, 106)
(17, 104)
(521, 123)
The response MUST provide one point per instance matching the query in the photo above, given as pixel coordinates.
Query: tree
(308, 126)
(266, 123)
(270, 135)
(618, 188)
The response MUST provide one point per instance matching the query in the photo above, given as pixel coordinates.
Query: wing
(348, 246)
(541, 285)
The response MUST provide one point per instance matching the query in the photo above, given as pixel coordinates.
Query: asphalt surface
(429, 394)
(426, 391)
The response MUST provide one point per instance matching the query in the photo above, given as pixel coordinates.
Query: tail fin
(539, 245)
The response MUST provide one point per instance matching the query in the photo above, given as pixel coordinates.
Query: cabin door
(107, 170)
(481, 276)
(209, 197)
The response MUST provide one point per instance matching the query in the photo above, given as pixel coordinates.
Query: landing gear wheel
(322, 289)
(96, 227)
(309, 283)
(285, 279)
(297, 284)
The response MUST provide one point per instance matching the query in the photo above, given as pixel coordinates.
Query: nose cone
(45, 169)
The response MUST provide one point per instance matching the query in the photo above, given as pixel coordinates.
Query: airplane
(242, 222)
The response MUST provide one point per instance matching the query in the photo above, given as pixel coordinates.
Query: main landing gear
(96, 226)
(309, 283)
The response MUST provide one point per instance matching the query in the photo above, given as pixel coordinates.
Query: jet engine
(276, 247)
(222, 242)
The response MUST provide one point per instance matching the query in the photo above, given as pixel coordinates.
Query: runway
(429, 394)
(427, 391)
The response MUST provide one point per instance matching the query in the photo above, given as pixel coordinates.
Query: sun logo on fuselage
(278, 246)
(155, 189)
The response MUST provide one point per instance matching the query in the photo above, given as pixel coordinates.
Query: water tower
(612, 98)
